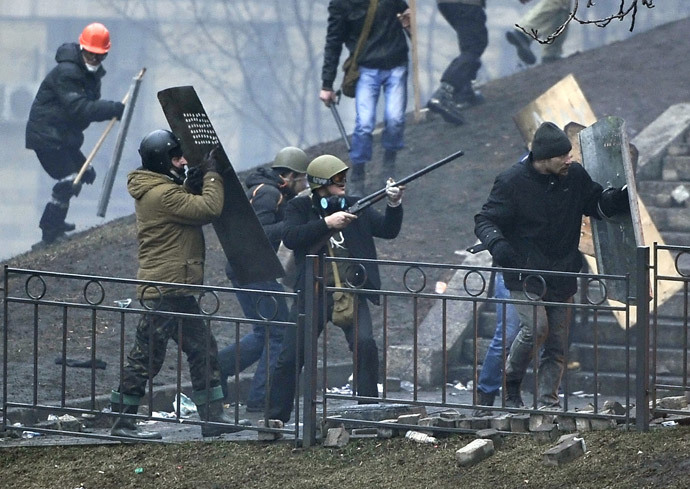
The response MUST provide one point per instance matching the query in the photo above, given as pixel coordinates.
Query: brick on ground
(474, 452)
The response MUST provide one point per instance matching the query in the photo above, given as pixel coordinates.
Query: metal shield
(243, 239)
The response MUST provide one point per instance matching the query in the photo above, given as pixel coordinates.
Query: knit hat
(550, 141)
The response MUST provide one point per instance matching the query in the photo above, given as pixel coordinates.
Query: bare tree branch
(623, 12)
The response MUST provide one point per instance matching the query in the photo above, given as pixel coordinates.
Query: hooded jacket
(268, 196)
(67, 101)
(541, 217)
(385, 47)
(169, 229)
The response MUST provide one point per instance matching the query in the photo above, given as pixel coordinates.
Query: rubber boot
(127, 427)
(513, 397)
(484, 399)
(213, 412)
(53, 221)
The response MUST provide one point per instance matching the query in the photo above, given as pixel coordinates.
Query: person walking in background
(68, 100)
(468, 19)
(545, 17)
(170, 217)
(532, 219)
(269, 191)
(382, 63)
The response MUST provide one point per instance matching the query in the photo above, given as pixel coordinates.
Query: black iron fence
(422, 333)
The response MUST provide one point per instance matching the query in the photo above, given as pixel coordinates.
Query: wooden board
(240, 234)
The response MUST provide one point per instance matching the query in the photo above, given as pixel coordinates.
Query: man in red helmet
(67, 101)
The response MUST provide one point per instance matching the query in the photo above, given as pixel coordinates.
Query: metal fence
(420, 332)
(90, 322)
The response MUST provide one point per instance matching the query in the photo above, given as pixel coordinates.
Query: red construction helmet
(95, 38)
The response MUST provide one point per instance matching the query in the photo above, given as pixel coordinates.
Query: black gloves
(195, 180)
(504, 254)
(89, 176)
(211, 162)
(119, 109)
(614, 201)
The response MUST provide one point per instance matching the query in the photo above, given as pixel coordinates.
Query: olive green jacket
(169, 229)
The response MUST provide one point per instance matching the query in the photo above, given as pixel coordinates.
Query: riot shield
(243, 239)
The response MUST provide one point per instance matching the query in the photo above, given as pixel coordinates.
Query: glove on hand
(614, 201)
(194, 182)
(211, 162)
(394, 194)
(119, 109)
(504, 254)
(89, 176)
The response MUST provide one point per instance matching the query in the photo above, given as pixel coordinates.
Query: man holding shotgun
(320, 223)
(67, 101)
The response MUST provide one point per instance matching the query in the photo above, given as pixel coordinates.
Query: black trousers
(283, 384)
(469, 23)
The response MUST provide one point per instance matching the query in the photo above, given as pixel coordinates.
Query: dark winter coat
(304, 229)
(541, 217)
(269, 195)
(386, 46)
(169, 228)
(67, 102)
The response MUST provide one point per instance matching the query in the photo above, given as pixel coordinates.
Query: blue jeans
(252, 346)
(369, 85)
(491, 376)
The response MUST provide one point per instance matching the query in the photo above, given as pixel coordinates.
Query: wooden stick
(415, 62)
(98, 145)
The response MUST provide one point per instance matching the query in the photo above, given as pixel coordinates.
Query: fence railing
(420, 332)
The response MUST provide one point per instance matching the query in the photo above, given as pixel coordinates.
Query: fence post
(642, 340)
(311, 309)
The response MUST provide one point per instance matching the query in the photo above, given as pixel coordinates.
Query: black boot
(213, 412)
(521, 41)
(484, 399)
(53, 221)
(442, 103)
(468, 97)
(355, 181)
(127, 427)
(513, 397)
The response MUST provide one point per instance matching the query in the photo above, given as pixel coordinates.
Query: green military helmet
(291, 158)
(322, 169)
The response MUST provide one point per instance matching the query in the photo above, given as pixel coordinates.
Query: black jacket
(386, 46)
(304, 229)
(67, 102)
(541, 217)
(269, 196)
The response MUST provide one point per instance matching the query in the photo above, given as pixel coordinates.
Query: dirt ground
(637, 80)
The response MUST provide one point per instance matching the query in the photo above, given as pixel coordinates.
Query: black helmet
(157, 150)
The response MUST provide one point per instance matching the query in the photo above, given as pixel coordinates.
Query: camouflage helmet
(291, 158)
(322, 169)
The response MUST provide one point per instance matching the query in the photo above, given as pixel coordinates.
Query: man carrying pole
(67, 102)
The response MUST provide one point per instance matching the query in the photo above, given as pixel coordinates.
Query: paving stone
(582, 424)
(614, 407)
(598, 424)
(336, 438)
(672, 402)
(566, 423)
(537, 420)
(364, 431)
(545, 433)
(565, 452)
(474, 452)
(409, 419)
(501, 423)
(493, 435)
(393, 384)
(519, 423)
(267, 435)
